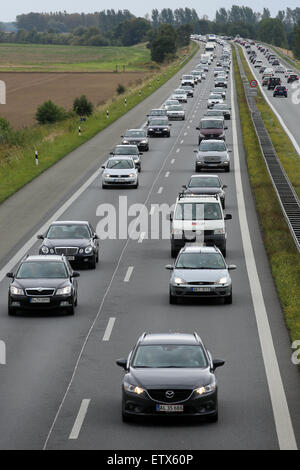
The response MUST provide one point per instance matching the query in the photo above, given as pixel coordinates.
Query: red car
(292, 78)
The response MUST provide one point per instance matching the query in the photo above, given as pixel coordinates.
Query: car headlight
(88, 249)
(125, 141)
(206, 389)
(132, 175)
(16, 291)
(178, 281)
(223, 281)
(64, 291)
(166, 129)
(133, 388)
(45, 250)
(144, 141)
(219, 231)
(150, 129)
(106, 175)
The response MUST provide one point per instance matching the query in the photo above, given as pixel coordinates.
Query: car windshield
(188, 77)
(139, 133)
(200, 261)
(42, 270)
(214, 112)
(207, 146)
(175, 108)
(211, 124)
(215, 96)
(221, 106)
(204, 182)
(158, 122)
(169, 356)
(198, 211)
(120, 164)
(179, 92)
(64, 232)
(126, 150)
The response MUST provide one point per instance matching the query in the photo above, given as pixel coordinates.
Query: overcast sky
(12, 8)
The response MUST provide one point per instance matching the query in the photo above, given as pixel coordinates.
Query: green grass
(284, 148)
(282, 253)
(17, 162)
(53, 58)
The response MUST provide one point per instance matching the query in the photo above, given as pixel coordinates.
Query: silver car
(212, 154)
(200, 271)
(176, 112)
(120, 171)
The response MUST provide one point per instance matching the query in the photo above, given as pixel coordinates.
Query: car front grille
(212, 160)
(39, 291)
(202, 283)
(66, 250)
(179, 395)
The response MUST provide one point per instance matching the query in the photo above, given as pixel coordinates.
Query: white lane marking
(185, 134)
(142, 237)
(80, 418)
(109, 328)
(160, 190)
(128, 274)
(172, 161)
(178, 150)
(167, 174)
(188, 127)
(29, 244)
(182, 141)
(191, 120)
(284, 427)
(289, 133)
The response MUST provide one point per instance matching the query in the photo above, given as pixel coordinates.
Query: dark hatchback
(156, 113)
(159, 128)
(137, 137)
(43, 283)
(169, 375)
(77, 240)
(280, 91)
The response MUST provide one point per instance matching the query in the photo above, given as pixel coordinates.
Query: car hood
(32, 283)
(211, 153)
(169, 378)
(200, 275)
(80, 243)
(119, 171)
(211, 131)
(159, 126)
(134, 139)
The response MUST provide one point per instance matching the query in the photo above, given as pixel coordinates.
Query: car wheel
(126, 418)
(223, 204)
(136, 185)
(139, 170)
(97, 257)
(197, 169)
(71, 310)
(12, 312)
(76, 301)
(227, 169)
(212, 418)
(172, 299)
(223, 251)
(92, 264)
(228, 300)
(174, 252)
(104, 186)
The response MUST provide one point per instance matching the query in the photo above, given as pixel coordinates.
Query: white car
(120, 171)
(288, 72)
(279, 69)
(214, 98)
(176, 112)
(170, 102)
(179, 95)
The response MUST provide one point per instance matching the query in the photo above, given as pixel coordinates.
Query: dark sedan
(170, 374)
(280, 91)
(159, 128)
(137, 137)
(43, 283)
(76, 240)
(206, 184)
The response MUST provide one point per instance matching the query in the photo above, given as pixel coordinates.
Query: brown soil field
(26, 91)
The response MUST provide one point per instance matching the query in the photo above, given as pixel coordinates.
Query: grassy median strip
(17, 159)
(282, 253)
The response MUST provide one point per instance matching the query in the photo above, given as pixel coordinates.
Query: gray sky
(13, 8)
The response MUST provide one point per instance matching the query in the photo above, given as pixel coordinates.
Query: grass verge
(283, 255)
(17, 162)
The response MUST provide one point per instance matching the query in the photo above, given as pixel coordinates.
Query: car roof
(170, 338)
(120, 157)
(207, 175)
(44, 258)
(135, 130)
(192, 248)
(69, 222)
(126, 146)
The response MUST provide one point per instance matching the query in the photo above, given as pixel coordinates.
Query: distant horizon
(15, 7)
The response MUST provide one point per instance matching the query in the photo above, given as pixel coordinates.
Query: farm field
(54, 58)
(26, 91)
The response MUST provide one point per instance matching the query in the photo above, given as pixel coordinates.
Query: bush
(48, 113)
(120, 89)
(82, 106)
(4, 126)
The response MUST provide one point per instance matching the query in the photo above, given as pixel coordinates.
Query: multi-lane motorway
(61, 388)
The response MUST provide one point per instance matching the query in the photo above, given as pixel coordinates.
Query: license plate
(70, 258)
(40, 300)
(201, 289)
(170, 408)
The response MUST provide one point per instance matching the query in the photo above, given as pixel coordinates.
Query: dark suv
(170, 374)
(43, 283)
(273, 82)
(211, 128)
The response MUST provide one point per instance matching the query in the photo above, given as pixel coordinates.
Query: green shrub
(82, 106)
(120, 89)
(48, 113)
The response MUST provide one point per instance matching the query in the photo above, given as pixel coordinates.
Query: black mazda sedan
(169, 374)
(43, 283)
(76, 240)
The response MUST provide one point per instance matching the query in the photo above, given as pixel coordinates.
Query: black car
(223, 107)
(189, 90)
(273, 82)
(131, 151)
(156, 113)
(206, 184)
(43, 283)
(77, 240)
(292, 78)
(159, 127)
(137, 137)
(280, 91)
(169, 374)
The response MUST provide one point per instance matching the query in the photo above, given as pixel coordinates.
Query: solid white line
(142, 237)
(109, 328)
(128, 274)
(188, 127)
(178, 150)
(167, 174)
(172, 161)
(182, 141)
(160, 190)
(79, 420)
(191, 120)
(284, 428)
(185, 133)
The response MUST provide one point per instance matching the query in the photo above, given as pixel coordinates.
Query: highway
(61, 388)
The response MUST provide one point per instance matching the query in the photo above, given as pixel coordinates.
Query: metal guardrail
(286, 194)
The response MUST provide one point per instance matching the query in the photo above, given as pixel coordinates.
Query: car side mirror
(122, 363)
(195, 151)
(198, 128)
(40, 237)
(111, 153)
(122, 136)
(10, 275)
(231, 267)
(103, 166)
(228, 217)
(217, 363)
(95, 236)
(169, 267)
(184, 186)
(141, 154)
(225, 128)
(75, 274)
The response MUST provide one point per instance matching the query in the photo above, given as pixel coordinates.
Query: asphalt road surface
(61, 388)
